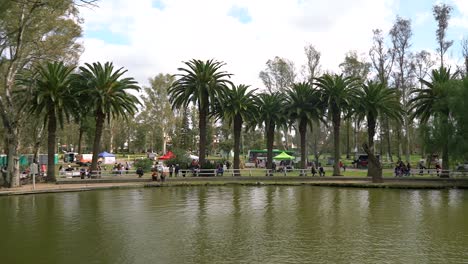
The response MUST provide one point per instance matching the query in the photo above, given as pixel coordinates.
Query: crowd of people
(402, 170)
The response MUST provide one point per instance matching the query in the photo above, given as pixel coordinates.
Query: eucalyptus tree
(30, 33)
(236, 106)
(338, 93)
(433, 101)
(441, 14)
(108, 91)
(354, 66)
(401, 35)
(382, 59)
(304, 105)
(270, 113)
(373, 101)
(200, 83)
(54, 100)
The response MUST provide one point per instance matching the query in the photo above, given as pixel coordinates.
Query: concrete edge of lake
(77, 186)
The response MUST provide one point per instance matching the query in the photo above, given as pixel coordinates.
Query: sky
(149, 37)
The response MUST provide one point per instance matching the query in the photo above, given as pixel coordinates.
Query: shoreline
(365, 183)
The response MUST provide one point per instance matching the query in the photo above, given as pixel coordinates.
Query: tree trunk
(270, 133)
(348, 134)
(51, 130)
(237, 135)
(336, 136)
(12, 179)
(400, 147)
(37, 143)
(389, 142)
(374, 169)
(100, 118)
(303, 132)
(202, 141)
(80, 138)
(445, 148)
(408, 142)
(315, 144)
(111, 137)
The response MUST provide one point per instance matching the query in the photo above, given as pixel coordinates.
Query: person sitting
(219, 170)
(321, 171)
(154, 175)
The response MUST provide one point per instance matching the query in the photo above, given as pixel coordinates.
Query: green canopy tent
(283, 156)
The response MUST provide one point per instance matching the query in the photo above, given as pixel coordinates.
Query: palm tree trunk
(374, 169)
(80, 138)
(51, 130)
(202, 140)
(445, 148)
(270, 133)
(336, 137)
(237, 135)
(100, 118)
(303, 132)
(348, 135)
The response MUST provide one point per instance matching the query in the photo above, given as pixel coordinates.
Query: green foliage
(181, 157)
(375, 100)
(209, 165)
(145, 164)
(201, 84)
(107, 92)
(278, 75)
(157, 115)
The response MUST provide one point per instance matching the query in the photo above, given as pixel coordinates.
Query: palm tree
(373, 101)
(433, 101)
(304, 105)
(52, 98)
(338, 93)
(201, 83)
(236, 105)
(108, 93)
(270, 113)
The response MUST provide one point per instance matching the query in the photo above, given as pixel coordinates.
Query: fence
(254, 172)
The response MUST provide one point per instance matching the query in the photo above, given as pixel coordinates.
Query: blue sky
(154, 36)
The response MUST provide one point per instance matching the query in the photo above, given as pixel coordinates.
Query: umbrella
(283, 156)
(169, 155)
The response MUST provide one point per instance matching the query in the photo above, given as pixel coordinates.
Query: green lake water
(283, 224)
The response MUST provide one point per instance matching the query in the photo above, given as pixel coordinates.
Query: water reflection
(236, 225)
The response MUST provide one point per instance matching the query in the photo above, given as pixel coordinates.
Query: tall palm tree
(373, 101)
(270, 113)
(338, 93)
(52, 99)
(235, 106)
(304, 106)
(433, 101)
(200, 83)
(107, 91)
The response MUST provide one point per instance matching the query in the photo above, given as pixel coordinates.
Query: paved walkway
(94, 184)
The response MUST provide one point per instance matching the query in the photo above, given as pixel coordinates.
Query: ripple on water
(237, 225)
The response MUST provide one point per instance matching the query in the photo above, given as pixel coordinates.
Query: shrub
(145, 164)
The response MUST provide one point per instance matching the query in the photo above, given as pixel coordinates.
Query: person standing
(171, 170)
(139, 172)
(176, 170)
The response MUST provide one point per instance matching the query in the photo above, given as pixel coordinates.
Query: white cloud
(159, 40)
